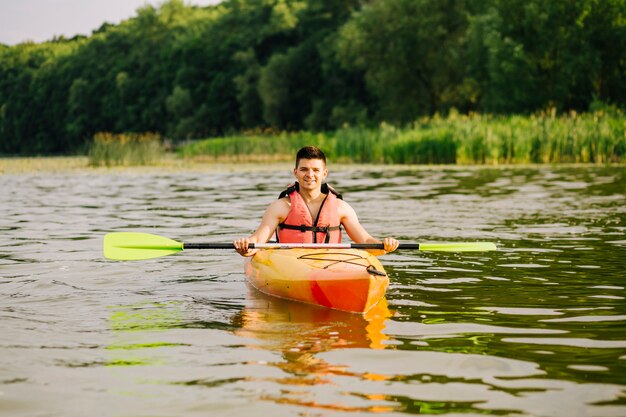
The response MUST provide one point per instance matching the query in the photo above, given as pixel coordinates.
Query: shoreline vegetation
(172, 163)
(110, 149)
(363, 72)
(589, 138)
(598, 137)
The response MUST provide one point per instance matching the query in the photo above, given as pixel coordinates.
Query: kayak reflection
(299, 332)
(295, 327)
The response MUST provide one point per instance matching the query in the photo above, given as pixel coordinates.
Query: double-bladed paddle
(128, 246)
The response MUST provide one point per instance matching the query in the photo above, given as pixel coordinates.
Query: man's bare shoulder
(280, 207)
(343, 208)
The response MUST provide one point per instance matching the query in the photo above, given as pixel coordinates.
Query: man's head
(310, 170)
(310, 152)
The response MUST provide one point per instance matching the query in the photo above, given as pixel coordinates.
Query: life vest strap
(314, 229)
(296, 187)
(304, 228)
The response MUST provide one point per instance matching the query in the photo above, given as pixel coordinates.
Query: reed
(108, 149)
(598, 137)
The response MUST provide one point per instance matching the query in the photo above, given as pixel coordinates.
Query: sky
(41, 20)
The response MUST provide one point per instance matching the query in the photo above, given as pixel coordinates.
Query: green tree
(410, 52)
(532, 54)
(250, 104)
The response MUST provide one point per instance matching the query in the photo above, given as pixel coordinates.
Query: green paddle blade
(458, 247)
(125, 246)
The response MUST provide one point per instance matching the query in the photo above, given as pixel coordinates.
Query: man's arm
(357, 232)
(274, 214)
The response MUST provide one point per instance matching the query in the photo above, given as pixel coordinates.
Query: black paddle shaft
(208, 246)
(251, 246)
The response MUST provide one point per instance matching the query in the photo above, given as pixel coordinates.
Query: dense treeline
(189, 72)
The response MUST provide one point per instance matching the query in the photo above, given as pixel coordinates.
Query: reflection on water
(300, 332)
(297, 327)
(129, 326)
(535, 329)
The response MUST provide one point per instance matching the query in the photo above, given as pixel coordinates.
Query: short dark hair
(310, 152)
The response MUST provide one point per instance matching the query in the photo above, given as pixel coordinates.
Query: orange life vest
(299, 226)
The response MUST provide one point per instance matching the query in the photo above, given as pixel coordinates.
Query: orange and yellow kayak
(349, 280)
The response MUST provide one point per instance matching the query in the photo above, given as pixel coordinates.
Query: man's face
(310, 173)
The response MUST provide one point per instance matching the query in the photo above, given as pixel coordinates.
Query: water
(535, 329)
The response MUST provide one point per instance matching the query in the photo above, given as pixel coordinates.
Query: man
(310, 211)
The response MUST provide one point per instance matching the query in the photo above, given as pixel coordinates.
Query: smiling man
(310, 211)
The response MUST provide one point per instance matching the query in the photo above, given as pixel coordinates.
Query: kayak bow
(349, 280)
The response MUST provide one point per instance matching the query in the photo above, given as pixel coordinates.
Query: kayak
(349, 280)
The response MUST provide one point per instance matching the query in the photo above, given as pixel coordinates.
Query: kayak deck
(349, 280)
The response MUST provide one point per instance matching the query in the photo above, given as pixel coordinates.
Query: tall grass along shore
(598, 137)
(125, 149)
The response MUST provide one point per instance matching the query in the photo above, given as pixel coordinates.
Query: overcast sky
(40, 20)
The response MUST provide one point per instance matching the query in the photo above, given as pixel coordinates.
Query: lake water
(537, 328)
